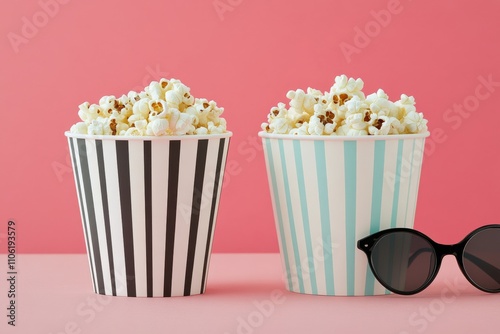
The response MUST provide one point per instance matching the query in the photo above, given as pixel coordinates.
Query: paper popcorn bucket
(149, 207)
(329, 192)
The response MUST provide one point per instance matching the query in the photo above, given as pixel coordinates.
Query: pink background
(246, 56)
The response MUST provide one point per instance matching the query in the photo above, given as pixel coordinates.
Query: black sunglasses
(406, 261)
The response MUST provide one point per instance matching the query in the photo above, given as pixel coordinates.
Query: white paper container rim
(264, 134)
(143, 138)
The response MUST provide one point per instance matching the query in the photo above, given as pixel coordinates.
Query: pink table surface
(245, 294)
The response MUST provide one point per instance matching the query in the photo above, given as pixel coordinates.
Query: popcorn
(139, 129)
(157, 109)
(315, 127)
(381, 125)
(414, 122)
(89, 112)
(96, 127)
(380, 104)
(80, 128)
(350, 87)
(301, 102)
(301, 130)
(281, 125)
(163, 108)
(216, 128)
(155, 90)
(157, 127)
(344, 111)
(174, 99)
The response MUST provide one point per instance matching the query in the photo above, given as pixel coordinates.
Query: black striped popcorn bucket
(330, 191)
(149, 207)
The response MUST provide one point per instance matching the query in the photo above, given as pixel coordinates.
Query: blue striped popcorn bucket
(148, 207)
(330, 191)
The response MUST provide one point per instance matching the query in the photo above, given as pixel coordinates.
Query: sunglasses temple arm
(487, 268)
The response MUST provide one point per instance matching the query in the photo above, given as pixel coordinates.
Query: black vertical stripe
(199, 176)
(149, 216)
(122, 157)
(84, 214)
(173, 182)
(220, 155)
(89, 198)
(105, 209)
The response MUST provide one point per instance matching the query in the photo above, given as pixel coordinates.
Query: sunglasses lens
(481, 259)
(403, 261)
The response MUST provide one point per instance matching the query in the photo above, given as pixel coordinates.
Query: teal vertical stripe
(378, 180)
(350, 149)
(278, 211)
(420, 162)
(397, 182)
(305, 214)
(291, 219)
(319, 150)
(409, 182)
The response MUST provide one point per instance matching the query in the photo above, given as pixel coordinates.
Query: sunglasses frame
(367, 244)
